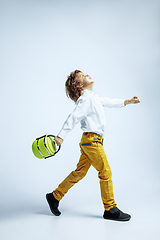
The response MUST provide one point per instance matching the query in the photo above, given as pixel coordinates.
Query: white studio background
(117, 43)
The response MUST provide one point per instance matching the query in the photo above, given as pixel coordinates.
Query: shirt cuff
(123, 103)
(120, 103)
(62, 134)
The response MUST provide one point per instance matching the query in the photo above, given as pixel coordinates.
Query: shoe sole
(119, 220)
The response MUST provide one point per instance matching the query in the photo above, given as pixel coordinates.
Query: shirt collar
(86, 90)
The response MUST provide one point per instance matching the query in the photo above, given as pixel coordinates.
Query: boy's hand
(134, 100)
(58, 140)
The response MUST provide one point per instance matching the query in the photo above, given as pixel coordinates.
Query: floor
(33, 220)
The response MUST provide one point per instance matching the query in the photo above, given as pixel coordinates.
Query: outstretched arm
(134, 100)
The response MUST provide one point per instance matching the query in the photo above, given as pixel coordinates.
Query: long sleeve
(112, 103)
(80, 111)
(89, 111)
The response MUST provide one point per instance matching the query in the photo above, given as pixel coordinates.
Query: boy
(90, 113)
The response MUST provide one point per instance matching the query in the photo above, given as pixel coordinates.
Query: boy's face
(85, 80)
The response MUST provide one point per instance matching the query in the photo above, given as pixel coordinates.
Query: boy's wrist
(127, 101)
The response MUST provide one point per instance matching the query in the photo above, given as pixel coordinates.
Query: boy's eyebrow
(80, 74)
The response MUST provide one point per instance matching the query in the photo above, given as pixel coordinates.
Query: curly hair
(72, 90)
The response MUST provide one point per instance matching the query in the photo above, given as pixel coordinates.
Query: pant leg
(74, 177)
(98, 159)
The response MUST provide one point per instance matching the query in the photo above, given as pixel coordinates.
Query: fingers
(135, 100)
(58, 140)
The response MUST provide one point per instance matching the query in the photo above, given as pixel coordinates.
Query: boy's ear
(80, 85)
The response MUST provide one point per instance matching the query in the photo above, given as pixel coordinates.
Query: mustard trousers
(92, 153)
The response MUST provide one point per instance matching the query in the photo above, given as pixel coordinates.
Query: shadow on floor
(68, 212)
(11, 212)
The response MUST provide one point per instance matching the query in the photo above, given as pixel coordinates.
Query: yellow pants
(92, 153)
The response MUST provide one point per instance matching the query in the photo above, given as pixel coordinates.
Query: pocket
(86, 144)
(96, 139)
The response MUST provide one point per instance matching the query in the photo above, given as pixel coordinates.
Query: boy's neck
(89, 87)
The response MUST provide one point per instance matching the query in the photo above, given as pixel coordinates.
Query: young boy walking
(90, 113)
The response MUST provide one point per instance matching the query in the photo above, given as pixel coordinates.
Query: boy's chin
(91, 82)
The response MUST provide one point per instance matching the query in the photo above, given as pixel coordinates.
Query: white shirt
(90, 113)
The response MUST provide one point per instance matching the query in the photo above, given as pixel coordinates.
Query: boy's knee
(105, 175)
(79, 174)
